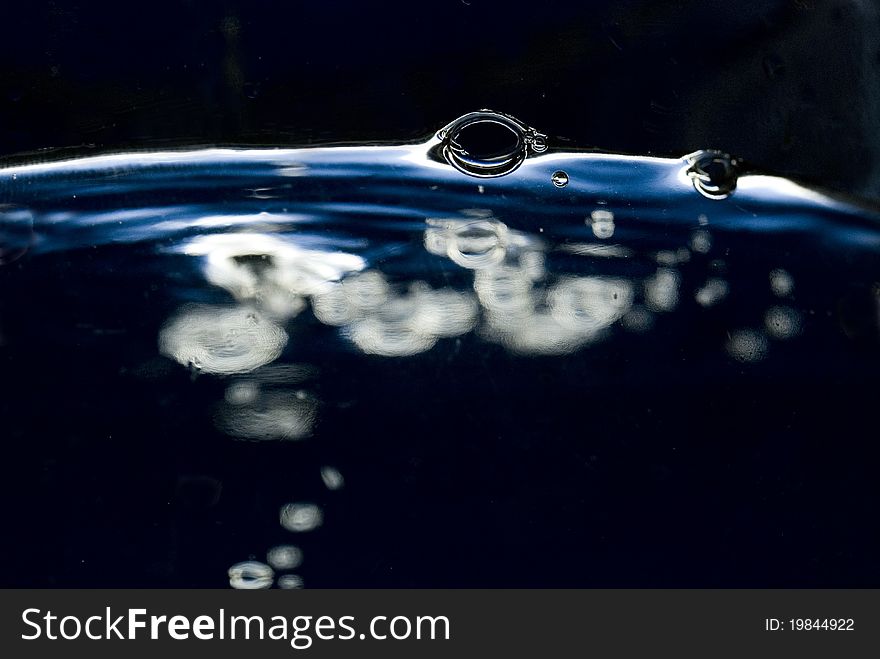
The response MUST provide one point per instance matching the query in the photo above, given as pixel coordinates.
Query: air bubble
(713, 173)
(782, 322)
(284, 557)
(301, 517)
(747, 345)
(602, 223)
(250, 575)
(333, 480)
(290, 582)
(781, 283)
(559, 178)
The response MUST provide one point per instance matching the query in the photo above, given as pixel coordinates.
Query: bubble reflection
(221, 340)
(301, 517)
(250, 575)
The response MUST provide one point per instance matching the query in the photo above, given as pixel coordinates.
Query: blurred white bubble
(284, 557)
(301, 517)
(290, 582)
(333, 480)
(473, 244)
(602, 223)
(747, 345)
(505, 290)
(270, 415)
(781, 283)
(661, 290)
(589, 304)
(412, 323)
(221, 340)
(268, 271)
(242, 392)
(251, 575)
(712, 292)
(351, 299)
(782, 322)
(701, 241)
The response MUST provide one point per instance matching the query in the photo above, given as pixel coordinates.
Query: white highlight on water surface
(271, 415)
(661, 290)
(269, 272)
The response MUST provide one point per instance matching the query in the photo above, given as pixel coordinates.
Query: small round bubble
(559, 178)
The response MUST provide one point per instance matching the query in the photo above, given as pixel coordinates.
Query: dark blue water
(361, 367)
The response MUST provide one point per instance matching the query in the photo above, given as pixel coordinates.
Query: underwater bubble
(536, 333)
(661, 290)
(589, 304)
(16, 232)
(559, 178)
(781, 283)
(284, 557)
(250, 575)
(747, 345)
(333, 480)
(782, 322)
(475, 245)
(670, 257)
(242, 393)
(442, 312)
(290, 582)
(713, 173)
(701, 241)
(301, 517)
(712, 292)
(637, 319)
(505, 289)
(602, 223)
(273, 415)
(221, 340)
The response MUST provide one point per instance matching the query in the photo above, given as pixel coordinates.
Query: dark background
(790, 85)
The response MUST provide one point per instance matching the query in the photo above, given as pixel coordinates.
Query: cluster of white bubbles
(299, 518)
(382, 321)
(781, 322)
(269, 272)
(518, 309)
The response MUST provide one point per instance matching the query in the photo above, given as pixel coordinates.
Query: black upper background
(790, 85)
